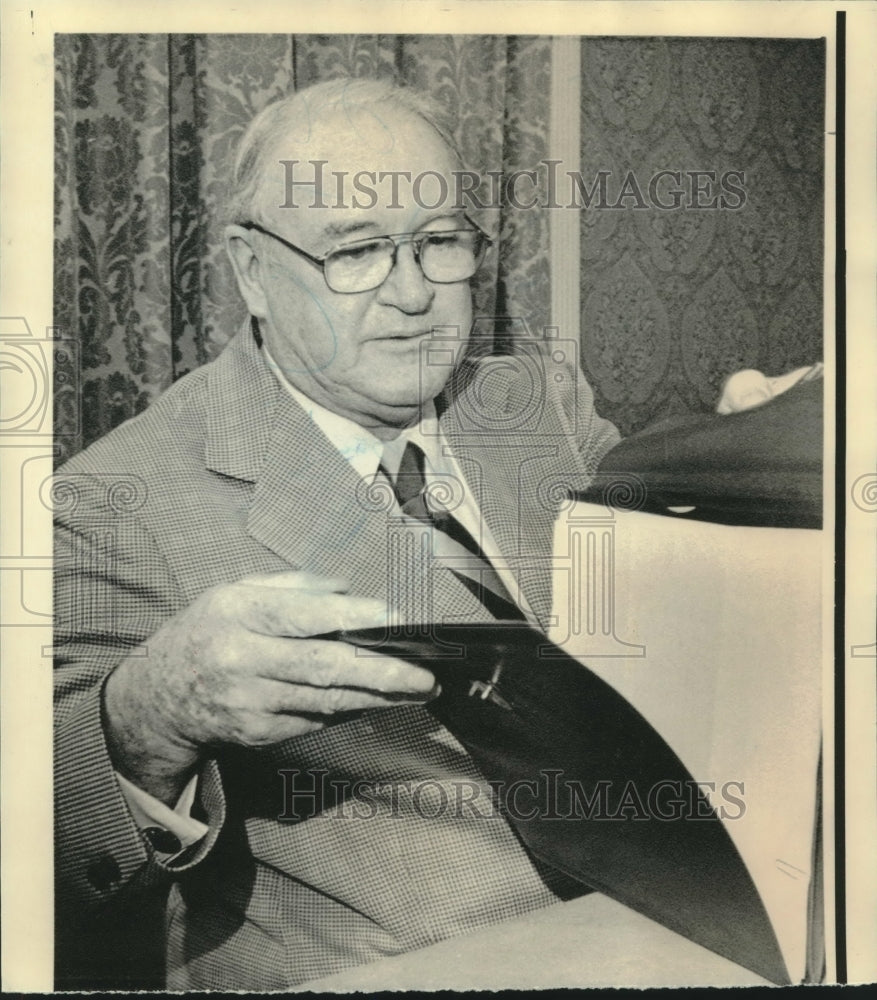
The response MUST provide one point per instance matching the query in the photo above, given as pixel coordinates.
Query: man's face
(358, 354)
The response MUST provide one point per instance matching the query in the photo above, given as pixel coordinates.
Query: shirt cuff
(168, 831)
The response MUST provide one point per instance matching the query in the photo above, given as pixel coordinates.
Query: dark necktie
(474, 569)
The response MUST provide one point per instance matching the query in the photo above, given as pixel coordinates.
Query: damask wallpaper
(671, 300)
(675, 300)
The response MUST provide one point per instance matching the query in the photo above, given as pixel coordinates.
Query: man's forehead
(382, 137)
(360, 173)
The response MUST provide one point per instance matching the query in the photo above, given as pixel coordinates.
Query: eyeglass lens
(444, 257)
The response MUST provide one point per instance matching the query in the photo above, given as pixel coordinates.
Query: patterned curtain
(145, 132)
(674, 301)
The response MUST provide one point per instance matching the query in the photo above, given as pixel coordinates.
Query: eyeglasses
(445, 256)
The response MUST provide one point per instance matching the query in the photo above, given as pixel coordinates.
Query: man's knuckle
(227, 656)
(257, 732)
(329, 671)
(335, 699)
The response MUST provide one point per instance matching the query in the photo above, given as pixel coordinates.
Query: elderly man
(194, 670)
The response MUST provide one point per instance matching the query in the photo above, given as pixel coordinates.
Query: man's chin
(415, 393)
(400, 411)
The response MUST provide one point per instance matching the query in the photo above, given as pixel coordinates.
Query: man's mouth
(412, 335)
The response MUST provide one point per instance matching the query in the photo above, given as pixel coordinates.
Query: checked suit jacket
(224, 476)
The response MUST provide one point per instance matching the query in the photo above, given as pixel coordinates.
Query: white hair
(294, 115)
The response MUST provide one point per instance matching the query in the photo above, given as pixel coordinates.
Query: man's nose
(406, 287)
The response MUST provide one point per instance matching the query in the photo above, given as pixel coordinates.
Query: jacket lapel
(309, 505)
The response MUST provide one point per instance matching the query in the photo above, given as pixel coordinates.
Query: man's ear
(247, 268)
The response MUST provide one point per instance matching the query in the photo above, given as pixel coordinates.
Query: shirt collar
(359, 446)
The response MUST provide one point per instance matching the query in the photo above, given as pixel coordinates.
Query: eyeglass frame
(397, 239)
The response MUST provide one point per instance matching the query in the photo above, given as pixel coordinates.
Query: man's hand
(237, 666)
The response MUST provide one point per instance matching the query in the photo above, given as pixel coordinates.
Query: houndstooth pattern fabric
(226, 476)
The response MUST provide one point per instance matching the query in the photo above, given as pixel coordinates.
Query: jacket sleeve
(113, 589)
(599, 435)
(574, 412)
